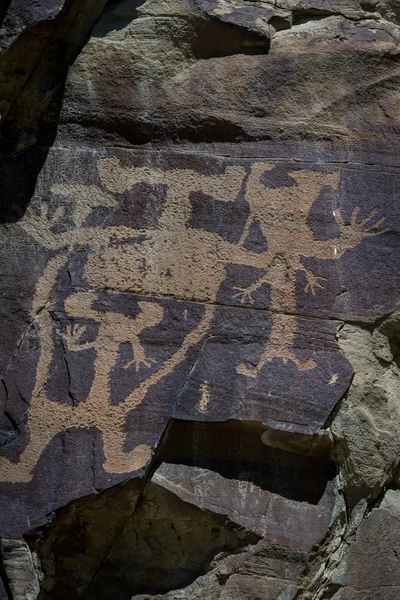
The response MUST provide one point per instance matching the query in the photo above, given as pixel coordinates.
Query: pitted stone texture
(38, 42)
(128, 539)
(372, 564)
(219, 298)
(366, 426)
(220, 520)
(221, 196)
(19, 569)
(153, 74)
(249, 503)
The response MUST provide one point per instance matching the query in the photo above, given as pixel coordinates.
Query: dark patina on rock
(179, 315)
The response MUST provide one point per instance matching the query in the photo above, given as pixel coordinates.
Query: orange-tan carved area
(192, 287)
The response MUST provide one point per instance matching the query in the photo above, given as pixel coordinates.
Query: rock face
(19, 569)
(200, 339)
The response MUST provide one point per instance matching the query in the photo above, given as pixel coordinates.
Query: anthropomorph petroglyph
(174, 260)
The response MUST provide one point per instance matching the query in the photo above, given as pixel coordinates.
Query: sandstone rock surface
(200, 333)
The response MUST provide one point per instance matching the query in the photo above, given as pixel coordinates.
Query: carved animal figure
(282, 214)
(171, 259)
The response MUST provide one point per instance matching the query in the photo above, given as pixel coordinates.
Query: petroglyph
(170, 259)
(48, 417)
(282, 214)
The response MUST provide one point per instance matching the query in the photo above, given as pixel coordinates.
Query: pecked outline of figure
(282, 214)
(46, 418)
(174, 257)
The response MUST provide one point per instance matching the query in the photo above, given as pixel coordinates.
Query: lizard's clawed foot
(140, 359)
(313, 282)
(368, 226)
(305, 365)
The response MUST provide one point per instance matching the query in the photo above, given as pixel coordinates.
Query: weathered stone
(80, 537)
(38, 42)
(372, 563)
(99, 331)
(366, 426)
(284, 96)
(20, 570)
(119, 542)
(3, 592)
(190, 518)
(215, 489)
(200, 281)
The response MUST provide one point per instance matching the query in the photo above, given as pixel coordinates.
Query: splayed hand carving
(73, 337)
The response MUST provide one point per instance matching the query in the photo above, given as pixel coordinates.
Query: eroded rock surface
(199, 343)
(20, 570)
(373, 568)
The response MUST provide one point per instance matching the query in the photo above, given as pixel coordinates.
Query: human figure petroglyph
(174, 260)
